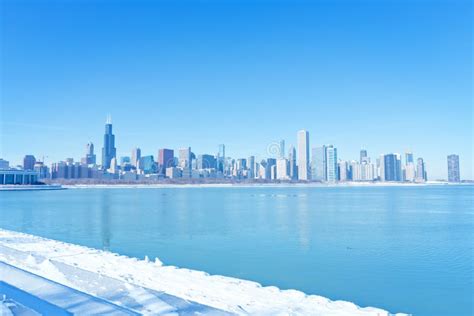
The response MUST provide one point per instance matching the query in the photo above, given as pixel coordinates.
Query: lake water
(404, 249)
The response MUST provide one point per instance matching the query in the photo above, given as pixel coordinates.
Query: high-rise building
(206, 162)
(136, 155)
(90, 158)
(454, 174)
(331, 166)
(282, 169)
(392, 167)
(165, 159)
(410, 172)
(303, 155)
(282, 149)
(221, 158)
(363, 156)
(251, 167)
(409, 158)
(292, 162)
(29, 162)
(271, 164)
(109, 150)
(343, 169)
(184, 156)
(146, 164)
(319, 164)
(420, 170)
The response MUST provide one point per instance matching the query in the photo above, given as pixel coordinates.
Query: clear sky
(388, 76)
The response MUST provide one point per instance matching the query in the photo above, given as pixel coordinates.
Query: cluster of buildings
(319, 164)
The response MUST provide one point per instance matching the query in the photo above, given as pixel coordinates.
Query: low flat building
(16, 176)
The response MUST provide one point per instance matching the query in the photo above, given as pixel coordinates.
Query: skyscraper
(90, 158)
(408, 158)
(185, 158)
(29, 162)
(343, 168)
(221, 158)
(165, 159)
(292, 162)
(251, 167)
(454, 174)
(318, 164)
(363, 156)
(392, 167)
(303, 155)
(282, 149)
(282, 172)
(420, 170)
(136, 155)
(109, 150)
(331, 166)
(206, 162)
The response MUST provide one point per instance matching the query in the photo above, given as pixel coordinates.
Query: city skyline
(304, 164)
(301, 66)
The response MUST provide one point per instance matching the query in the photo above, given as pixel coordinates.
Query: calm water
(405, 249)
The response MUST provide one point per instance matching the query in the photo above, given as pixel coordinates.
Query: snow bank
(94, 271)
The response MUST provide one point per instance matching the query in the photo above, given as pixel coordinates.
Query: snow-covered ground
(148, 287)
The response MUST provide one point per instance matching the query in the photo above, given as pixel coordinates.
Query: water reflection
(105, 220)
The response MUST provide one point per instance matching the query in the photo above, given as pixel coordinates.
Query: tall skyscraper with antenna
(109, 150)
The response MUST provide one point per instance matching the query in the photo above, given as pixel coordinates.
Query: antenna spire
(109, 119)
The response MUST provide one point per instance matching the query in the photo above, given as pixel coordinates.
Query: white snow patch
(225, 293)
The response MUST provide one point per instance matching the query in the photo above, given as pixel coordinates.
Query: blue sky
(389, 76)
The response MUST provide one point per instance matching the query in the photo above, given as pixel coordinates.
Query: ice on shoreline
(255, 185)
(55, 260)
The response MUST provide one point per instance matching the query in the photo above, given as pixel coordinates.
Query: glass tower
(109, 150)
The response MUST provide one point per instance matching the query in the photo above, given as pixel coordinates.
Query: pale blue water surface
(404, 249)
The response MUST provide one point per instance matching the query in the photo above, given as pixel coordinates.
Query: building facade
(454, 174)
(108, 151)
(303, 155)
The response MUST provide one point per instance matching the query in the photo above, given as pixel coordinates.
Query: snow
(148, 287)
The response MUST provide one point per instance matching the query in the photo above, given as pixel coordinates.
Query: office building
(136, 155)
(206, 161)
(363, 156)
(331, 165)
(420, 170)
(454, 174)
(392, 167)
(109, 150)
(282, 169)
(409, 158)
(319, 164)
(165, 159)
(292, 162)
(410, 172)
(251, 167)
(282, 149)
(303, 155)
(29, 162)
(343, 171)
(90, 158)
(4, 164)
(146, 165)
(221, 165)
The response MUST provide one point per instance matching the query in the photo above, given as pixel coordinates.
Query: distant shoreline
(254, 185)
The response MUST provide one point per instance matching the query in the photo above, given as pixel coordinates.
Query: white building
(410, 172)
(331, 166)
(303, 154)
(282, 169)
